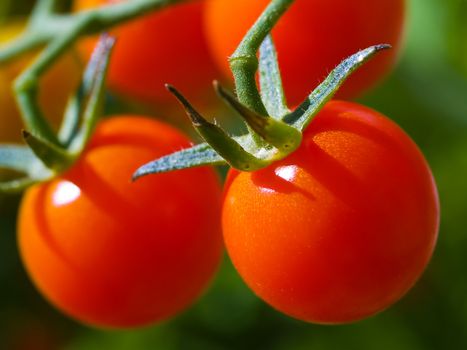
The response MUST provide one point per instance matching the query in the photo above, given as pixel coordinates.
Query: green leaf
(303, 115)
(272, 92)
(18, 158)
(198, 155)
(23, 160)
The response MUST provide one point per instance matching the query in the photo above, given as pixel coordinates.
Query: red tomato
(112, 253)
(164, 47)
(313, 37)
(343, 227)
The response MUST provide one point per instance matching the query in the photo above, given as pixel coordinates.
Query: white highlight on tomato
(287, 172)
(66, 193)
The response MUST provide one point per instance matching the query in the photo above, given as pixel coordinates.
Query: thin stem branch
(27, 84)
(43, 8)
(108, 16)
(244, 63)
(24, 43)
(58, 33)
(32, 115)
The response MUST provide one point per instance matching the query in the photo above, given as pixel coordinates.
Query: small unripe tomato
(312, 38)
(342, 228)
(112, 253)
(54, 90)
(167, 46)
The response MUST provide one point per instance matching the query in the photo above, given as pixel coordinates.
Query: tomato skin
(54, 90)
(343, 227)
(112, 253)
(312, 38)
(164, 47)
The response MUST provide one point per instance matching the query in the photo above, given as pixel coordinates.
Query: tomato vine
(274, 131)
(48, 153)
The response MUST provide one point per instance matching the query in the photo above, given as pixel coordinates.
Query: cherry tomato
(164, 47)
(112, 253)
(312, 38)
(342, 228)
(55, 87)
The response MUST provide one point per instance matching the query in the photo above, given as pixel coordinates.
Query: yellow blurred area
(55, 86)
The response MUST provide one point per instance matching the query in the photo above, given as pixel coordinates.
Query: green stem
(109, 16)
(269, 138)
(244, 63)
(43, 8)
(32, 116)
(27, 85)
(26, 42)
(48, 27)
(59, 32)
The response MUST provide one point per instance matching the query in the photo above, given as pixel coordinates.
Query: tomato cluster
(334, 233)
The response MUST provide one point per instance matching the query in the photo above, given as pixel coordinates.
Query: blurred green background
(427, 96)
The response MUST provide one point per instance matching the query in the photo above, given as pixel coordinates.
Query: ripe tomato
(56, 86)
(115, 254)
(164, 47)
(340, 229)
(312, 38)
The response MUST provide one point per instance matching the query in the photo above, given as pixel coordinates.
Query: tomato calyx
(274, 131)
(43, 158)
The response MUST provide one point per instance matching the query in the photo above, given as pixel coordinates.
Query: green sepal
(280, 135)
(71, 119)
(21, 159)
(17, 185)
(303, 115)
(198, 155)
(43, 160)
(270, 81)
(17, 158)
(93, 92)
(52, 156)
(226, 146)
(243, 152)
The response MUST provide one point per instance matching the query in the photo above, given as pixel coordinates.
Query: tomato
(112, 253)
(312, 38)
(55, 86)
(164, 47)
(340, 229)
